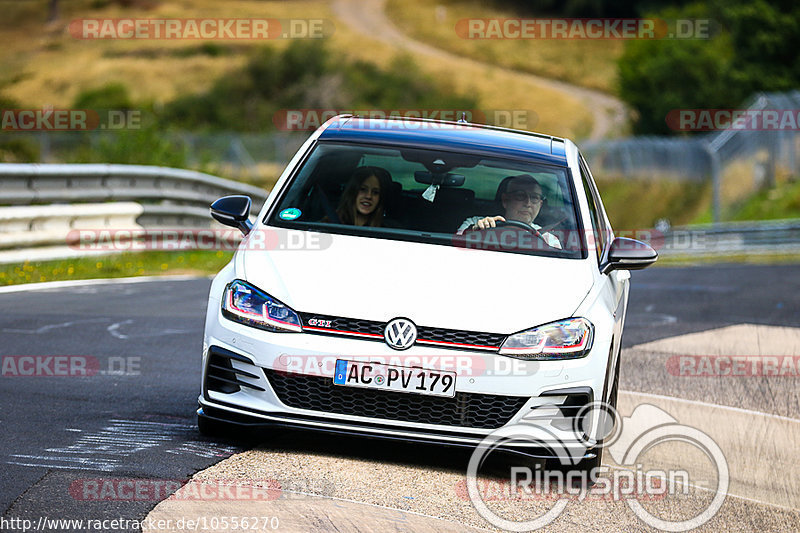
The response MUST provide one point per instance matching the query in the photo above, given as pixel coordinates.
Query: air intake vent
(221, 376)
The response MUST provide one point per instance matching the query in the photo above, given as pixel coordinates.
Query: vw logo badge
(400, 333)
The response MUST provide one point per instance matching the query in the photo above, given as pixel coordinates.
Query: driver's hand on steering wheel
(488, 222)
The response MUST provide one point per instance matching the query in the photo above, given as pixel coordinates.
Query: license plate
(397, 378)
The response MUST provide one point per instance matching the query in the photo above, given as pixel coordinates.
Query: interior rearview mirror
(446, 179)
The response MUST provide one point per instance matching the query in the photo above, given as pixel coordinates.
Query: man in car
(521, 198)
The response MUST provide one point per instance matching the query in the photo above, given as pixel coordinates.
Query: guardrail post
(716, 179)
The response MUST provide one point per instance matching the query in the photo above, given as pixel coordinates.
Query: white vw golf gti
(425, 281)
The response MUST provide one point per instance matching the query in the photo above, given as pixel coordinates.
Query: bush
(110, 96)
(306, 75)
(146, 146)
(21, 148)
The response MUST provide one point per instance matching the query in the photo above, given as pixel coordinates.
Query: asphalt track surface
(134, 418)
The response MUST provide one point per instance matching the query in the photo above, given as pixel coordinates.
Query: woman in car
(364, 198)
(521, 198)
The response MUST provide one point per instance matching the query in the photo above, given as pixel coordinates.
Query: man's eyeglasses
(522, 196)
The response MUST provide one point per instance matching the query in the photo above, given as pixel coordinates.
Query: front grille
(446, 338)
(481, 411)
(493, 340)
(343, 324)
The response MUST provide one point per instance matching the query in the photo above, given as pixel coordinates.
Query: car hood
(433, 285)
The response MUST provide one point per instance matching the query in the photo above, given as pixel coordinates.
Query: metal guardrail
(750, 238)
(746, 150)
(25, 184)
(40, 225)
(45, 204)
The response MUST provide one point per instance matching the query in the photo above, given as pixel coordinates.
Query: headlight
(253, 307)
(566, 339)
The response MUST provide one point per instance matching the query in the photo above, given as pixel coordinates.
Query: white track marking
(25, 287)
(102, 449)
(707, 404)
(737, 496)
(113, 329)
(45, 329)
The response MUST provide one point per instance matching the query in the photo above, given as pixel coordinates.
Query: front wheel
(609, 423)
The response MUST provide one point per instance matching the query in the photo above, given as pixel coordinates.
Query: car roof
(447, 136)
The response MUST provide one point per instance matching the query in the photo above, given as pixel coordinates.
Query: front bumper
(262, 421)
(241, 367)
(548, 394)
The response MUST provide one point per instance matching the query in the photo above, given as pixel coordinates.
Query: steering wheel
(527, 227)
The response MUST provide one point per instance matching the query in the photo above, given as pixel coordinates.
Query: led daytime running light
(251, 315)
(546, 334)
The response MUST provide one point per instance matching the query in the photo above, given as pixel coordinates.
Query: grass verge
(781, 201)
(637, 204)
(588, 63)
(198, 262)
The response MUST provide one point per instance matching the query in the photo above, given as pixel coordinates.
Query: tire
(587, 465)
(612, 398)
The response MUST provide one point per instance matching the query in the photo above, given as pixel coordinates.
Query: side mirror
(629, 254)
(233, 211)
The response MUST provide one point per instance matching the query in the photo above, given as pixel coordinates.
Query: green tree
(765, 43)
(657, 76)
(753, 49)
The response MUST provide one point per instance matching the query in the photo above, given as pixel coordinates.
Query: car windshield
(433, 196)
